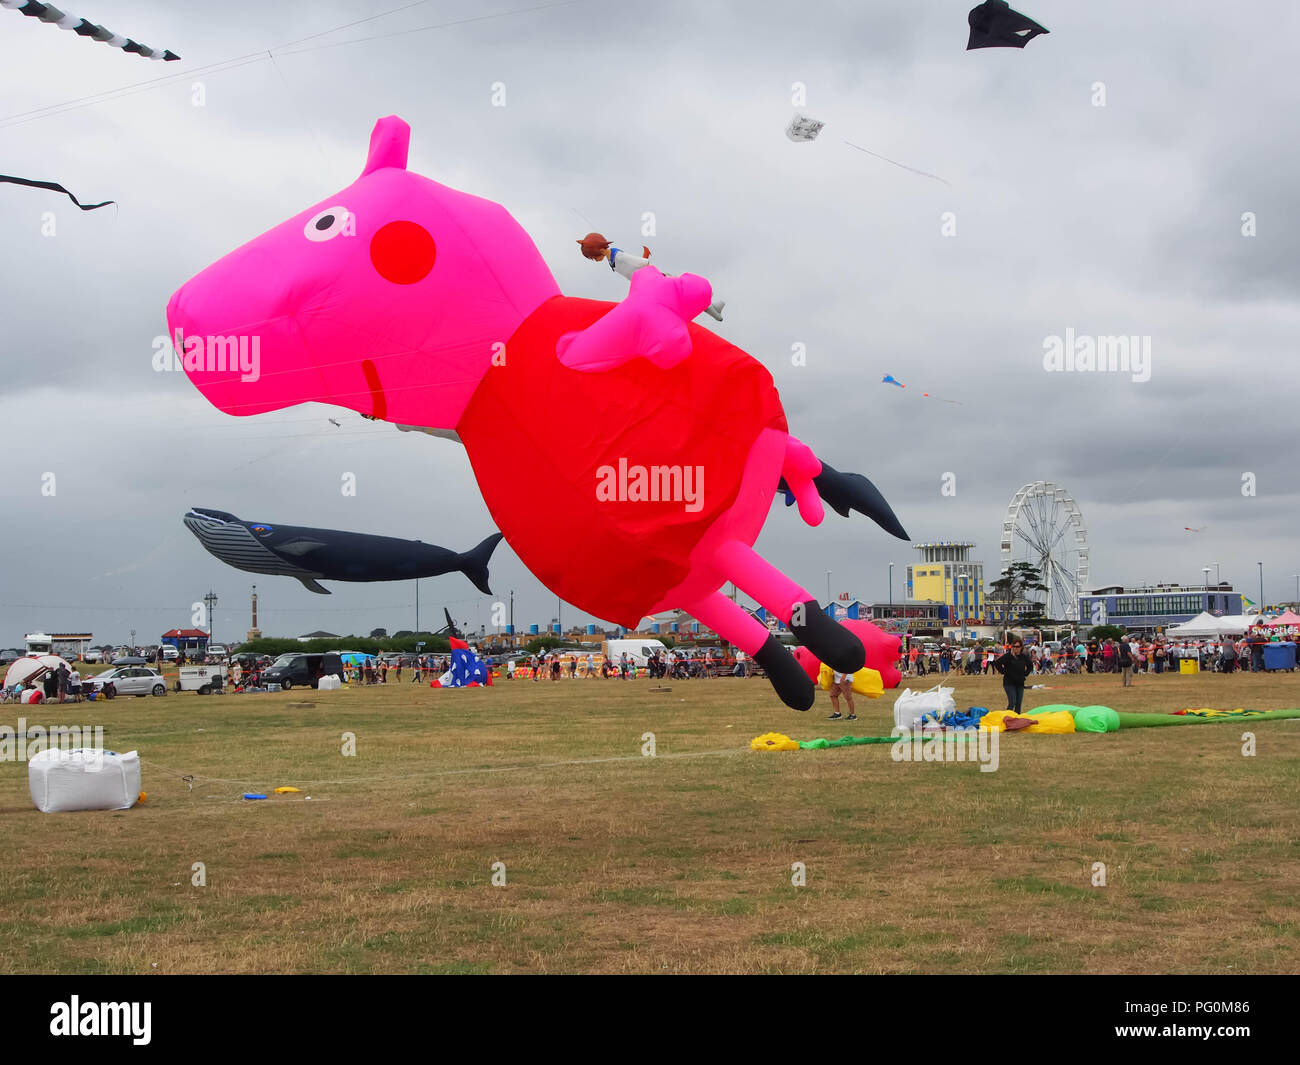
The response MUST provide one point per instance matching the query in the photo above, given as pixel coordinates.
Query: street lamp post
(828, 587)
(891, 589)
(1261, 584)
(211, 600)
(1217, 581)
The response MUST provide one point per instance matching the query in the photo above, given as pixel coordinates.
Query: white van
(638, 651)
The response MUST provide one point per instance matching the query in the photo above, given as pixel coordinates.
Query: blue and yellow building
(947, 574)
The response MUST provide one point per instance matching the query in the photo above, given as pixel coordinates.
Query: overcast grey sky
(1123, 219)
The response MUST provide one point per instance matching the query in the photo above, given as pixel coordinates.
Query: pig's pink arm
(650, 323)
(799, 469)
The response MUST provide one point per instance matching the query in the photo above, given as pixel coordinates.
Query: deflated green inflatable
(844, 741)
(1160, 720)
(1104, 719)
(1096, 719)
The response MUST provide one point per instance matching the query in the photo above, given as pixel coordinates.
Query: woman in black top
(1014, 666)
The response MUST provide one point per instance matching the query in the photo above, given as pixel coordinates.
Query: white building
(69, 645)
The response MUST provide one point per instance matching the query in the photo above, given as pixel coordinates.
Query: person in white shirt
(74, 684)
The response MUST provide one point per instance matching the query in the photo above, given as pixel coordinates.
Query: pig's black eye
(329, 223)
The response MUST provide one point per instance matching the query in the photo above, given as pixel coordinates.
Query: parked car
(130, 680)
(9, 656)
(218, 651)
(170, 653)
(302, 670)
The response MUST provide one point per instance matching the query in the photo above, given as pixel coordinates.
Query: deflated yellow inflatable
(865, 681)
(773, 741)
(1057, 722)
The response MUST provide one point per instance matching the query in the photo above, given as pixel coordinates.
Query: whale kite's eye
(329, 224)
(403, 252)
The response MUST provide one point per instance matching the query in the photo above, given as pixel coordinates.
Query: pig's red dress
(538, 432)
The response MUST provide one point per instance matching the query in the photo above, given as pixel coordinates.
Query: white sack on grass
(911, 706)
(83, 779)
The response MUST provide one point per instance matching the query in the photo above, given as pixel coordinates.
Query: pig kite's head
(391, 298)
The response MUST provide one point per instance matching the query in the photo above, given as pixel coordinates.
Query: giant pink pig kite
(660, 446)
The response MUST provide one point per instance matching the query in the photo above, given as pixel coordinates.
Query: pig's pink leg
(739, 627)
(757, 577)
(799, 469)
(833, 644)
(730, 622)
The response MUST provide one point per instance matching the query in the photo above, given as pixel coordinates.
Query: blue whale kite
(312, 555)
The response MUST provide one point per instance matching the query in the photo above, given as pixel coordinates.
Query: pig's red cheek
(403, 252)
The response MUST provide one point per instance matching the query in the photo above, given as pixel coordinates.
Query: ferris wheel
(1044, 527)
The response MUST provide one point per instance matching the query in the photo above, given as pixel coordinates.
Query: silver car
(132, 680)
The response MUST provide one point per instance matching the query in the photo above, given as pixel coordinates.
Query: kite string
(258, 57)
(200, 780)
(293, 99)
(893, 162)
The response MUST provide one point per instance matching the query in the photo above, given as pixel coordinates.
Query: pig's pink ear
(389, 142)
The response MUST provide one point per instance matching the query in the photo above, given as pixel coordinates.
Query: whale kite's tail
(474, 563)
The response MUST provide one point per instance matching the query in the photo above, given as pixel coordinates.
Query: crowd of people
(1126, 656)
(668, 665)
(60, 685)
(1150, 656)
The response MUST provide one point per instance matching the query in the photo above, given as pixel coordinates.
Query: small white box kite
(803, 128)
(83, 779)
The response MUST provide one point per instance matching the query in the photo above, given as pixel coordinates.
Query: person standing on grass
(556, 667)
(1014, 666)
(1124, 656)
(842, 683)
(591, 666)
(1229, 656)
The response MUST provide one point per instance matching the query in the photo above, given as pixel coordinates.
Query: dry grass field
(616, 862)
